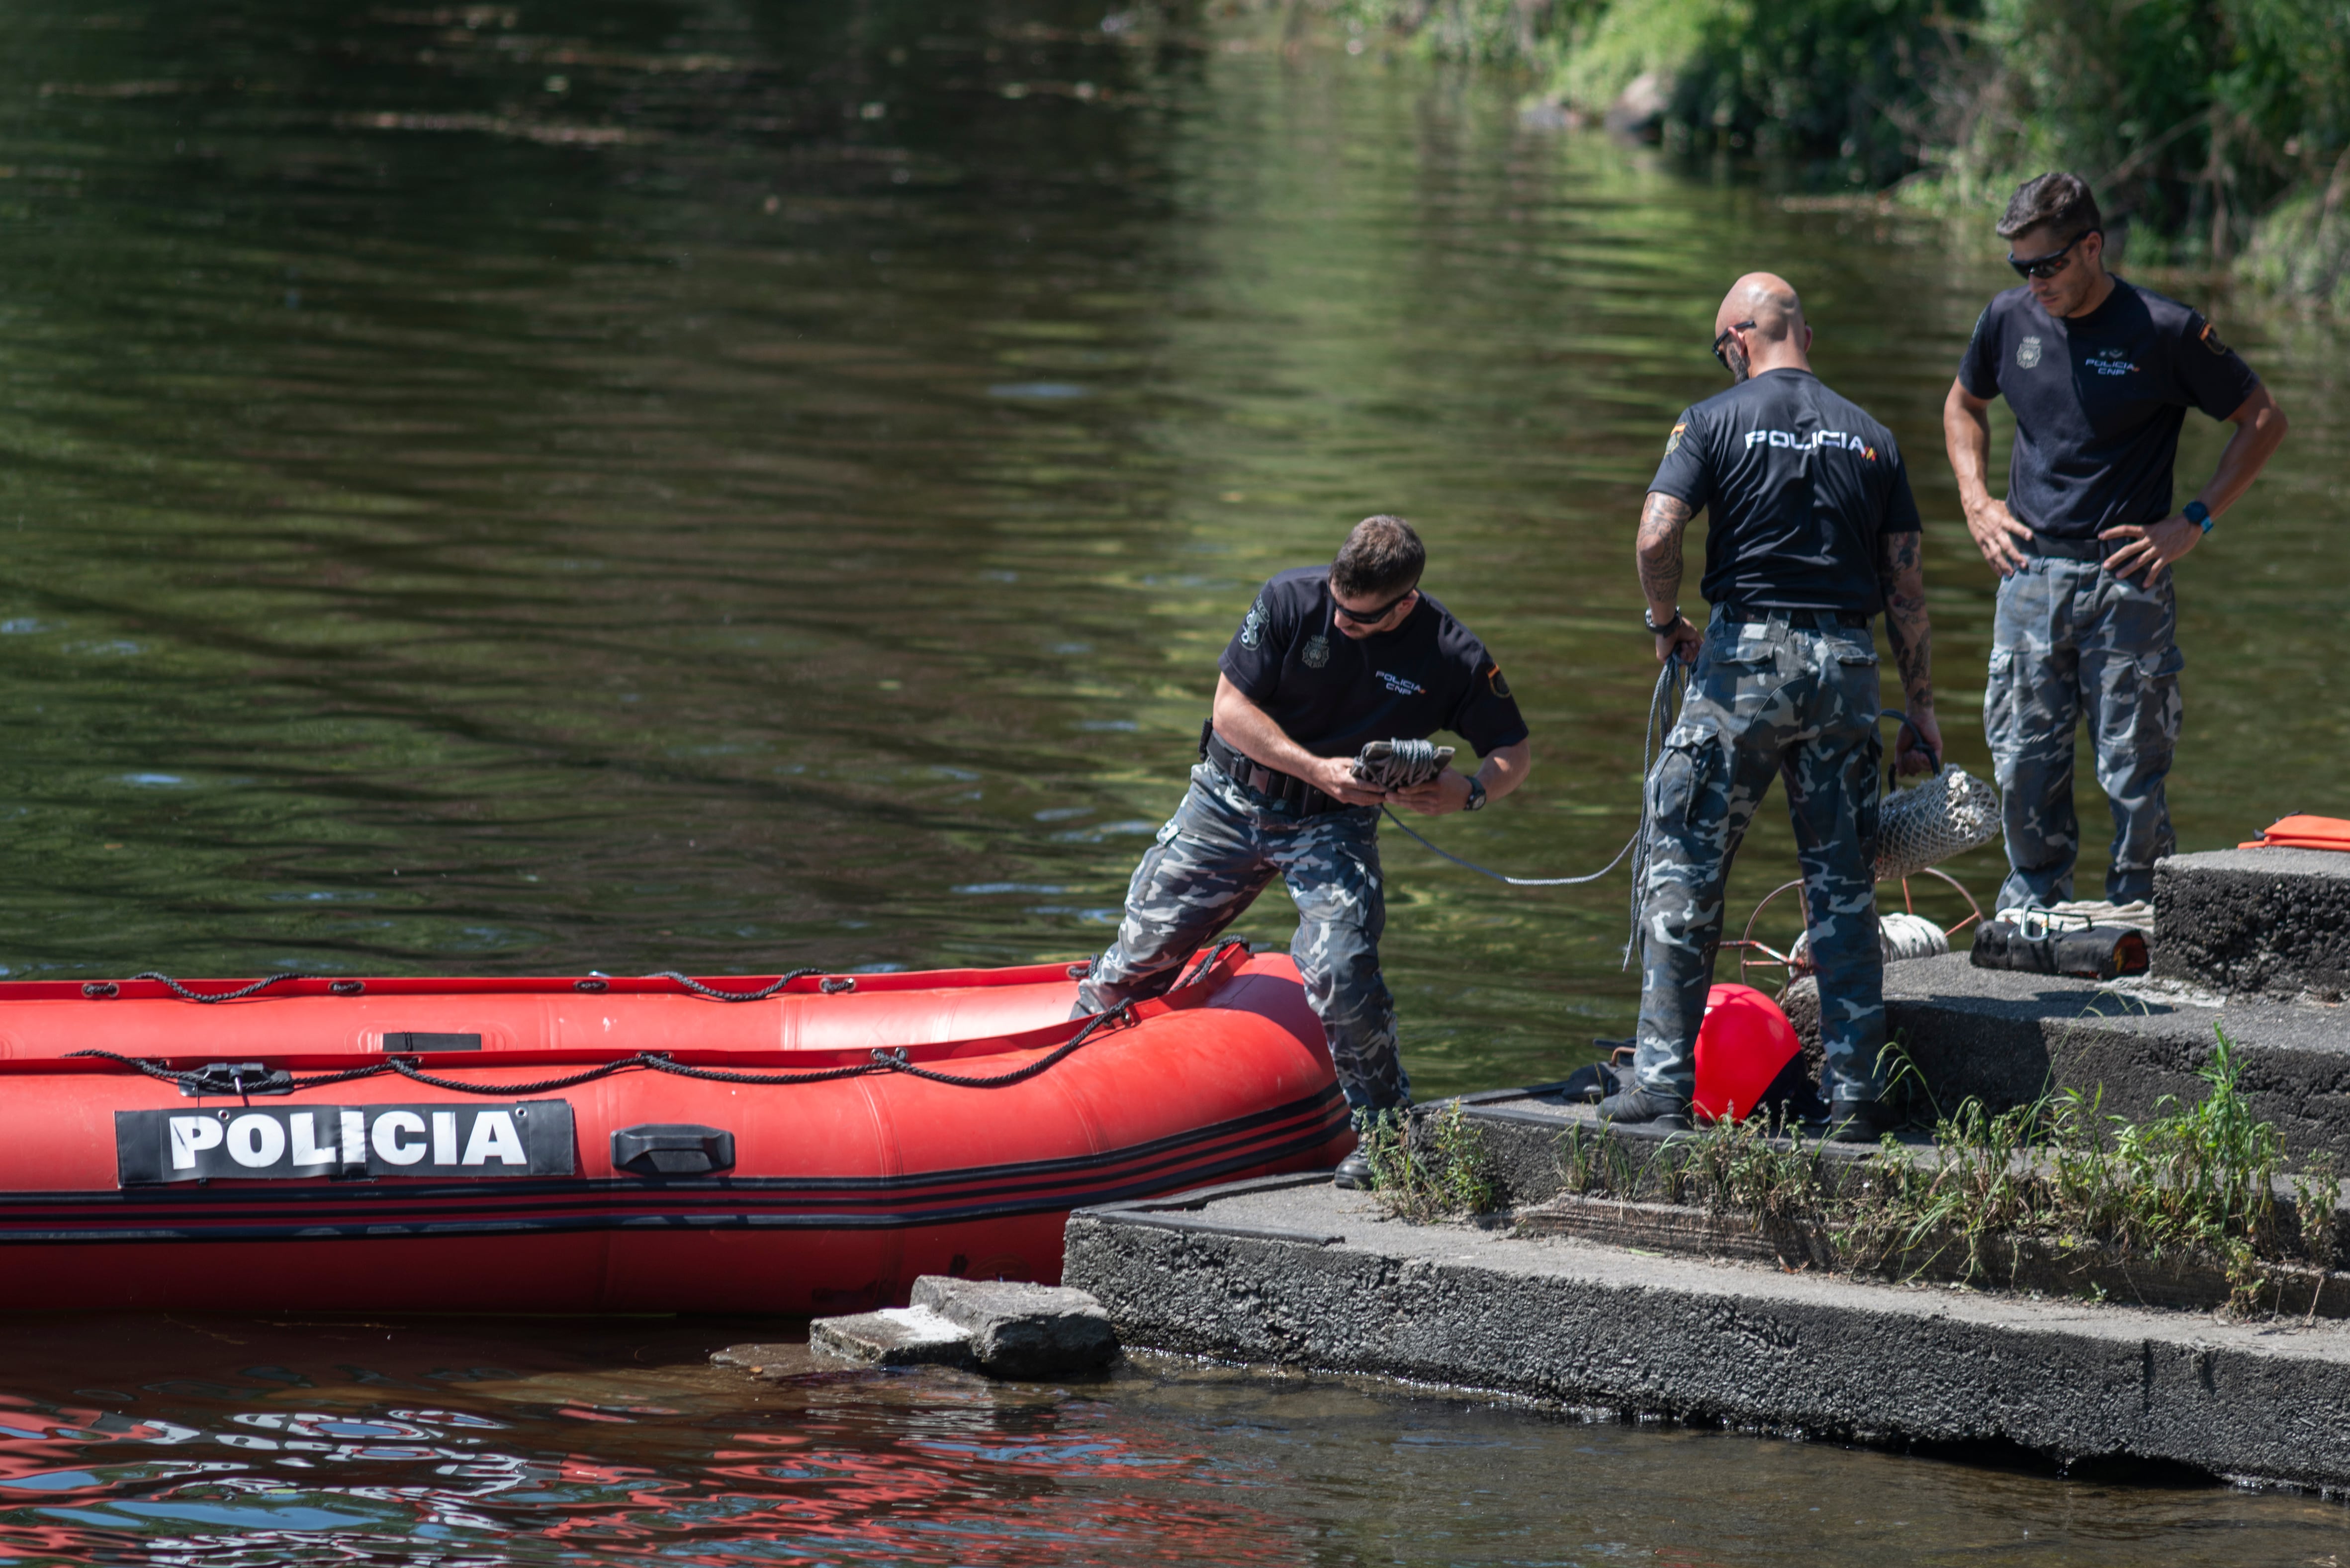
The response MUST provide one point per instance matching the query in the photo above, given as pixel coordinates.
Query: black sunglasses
(1721, 340)
(2053, 263)
(1365, 617)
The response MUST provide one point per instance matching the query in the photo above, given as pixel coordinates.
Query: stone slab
(2007, 1038)
(1017, 1330)
(2272, 921)
(1561, 1318)
(894, 1336)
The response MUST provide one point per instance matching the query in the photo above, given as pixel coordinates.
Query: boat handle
(672, 1148)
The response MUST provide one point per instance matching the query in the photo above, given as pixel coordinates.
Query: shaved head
(1767, 300)
(1761, 326)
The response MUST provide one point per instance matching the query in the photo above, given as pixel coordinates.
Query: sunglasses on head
(2052, 264)
(1721, 341)
(1365, 617)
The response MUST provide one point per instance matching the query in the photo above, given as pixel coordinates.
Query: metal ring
(836, 985)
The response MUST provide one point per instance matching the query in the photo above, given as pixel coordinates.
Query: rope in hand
(1663, 707)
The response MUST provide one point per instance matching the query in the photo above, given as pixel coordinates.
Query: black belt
(2069, 549)
(1821, 619)
(1281, 789)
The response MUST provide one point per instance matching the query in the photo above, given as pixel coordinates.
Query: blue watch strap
(2195, 512)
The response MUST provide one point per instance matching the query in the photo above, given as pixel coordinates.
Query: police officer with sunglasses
(2099, 374)
(1326, 659)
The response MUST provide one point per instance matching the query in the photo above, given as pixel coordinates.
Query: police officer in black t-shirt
(2100, 375)
(1813, 531)
(1327, 660)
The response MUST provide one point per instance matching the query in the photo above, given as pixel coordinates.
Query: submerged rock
(1022, 1330)
(894, 1336)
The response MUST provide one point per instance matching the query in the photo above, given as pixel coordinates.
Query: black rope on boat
(714, 994)
(279, 1081)
(184, 994)
(1123, 1013)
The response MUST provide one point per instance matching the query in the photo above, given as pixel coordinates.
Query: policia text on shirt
(1327, 660)
(2100, 375)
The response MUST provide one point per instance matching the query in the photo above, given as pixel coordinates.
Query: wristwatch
(2195, 512)
(1476, 801)
(1652, 625)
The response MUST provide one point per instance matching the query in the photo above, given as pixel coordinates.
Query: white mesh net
(1948, 815)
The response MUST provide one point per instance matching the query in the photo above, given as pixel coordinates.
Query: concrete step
(1308, 1276)
(2008, 1038)
(2272, 922)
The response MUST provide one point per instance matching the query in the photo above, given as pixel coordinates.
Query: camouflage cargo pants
(1217, 852)
(1770, 700)
(2071, 640)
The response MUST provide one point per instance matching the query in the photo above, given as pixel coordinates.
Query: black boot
(1859, 1121)
(1353, 1172)
(1646, 1108)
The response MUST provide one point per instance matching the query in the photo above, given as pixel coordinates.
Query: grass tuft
(1431, 1166)
(2191, 1184)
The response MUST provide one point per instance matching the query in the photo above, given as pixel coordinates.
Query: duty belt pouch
(2094, 952)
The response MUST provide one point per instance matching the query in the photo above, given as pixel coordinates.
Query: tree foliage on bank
(2219, 127)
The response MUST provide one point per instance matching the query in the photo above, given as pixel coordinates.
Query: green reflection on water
(625, 486)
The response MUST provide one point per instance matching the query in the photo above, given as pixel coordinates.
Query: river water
(518, 488)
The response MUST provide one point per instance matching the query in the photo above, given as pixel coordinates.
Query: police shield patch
(2027, 354)
(1673, 442)
(1316, 651)
(1493, 678)
(2211, 339)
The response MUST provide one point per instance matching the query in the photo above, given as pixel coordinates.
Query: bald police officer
(1328, 659)
(1813, 531)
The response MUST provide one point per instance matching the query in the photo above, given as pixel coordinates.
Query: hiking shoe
(1354, 1173)
(1645, 1107)
(1860, 1121)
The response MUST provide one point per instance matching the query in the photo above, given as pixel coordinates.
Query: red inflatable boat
(657, 1144)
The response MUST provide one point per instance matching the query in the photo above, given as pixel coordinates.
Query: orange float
(606, 1143)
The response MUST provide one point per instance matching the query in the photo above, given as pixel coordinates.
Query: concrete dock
(1295, 1272)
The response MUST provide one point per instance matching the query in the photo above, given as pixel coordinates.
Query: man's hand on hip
(1910, 756)
(1335, 776)
(2151, 548)
(1996, 532)
(1447, 792)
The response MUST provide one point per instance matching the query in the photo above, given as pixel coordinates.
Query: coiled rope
(1663, 707)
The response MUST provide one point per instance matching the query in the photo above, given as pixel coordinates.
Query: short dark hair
(1381, 556)
(2060, 201)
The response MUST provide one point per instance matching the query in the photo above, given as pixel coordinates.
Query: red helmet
(1743, 1047)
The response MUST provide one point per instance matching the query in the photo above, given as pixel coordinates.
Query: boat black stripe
(324, 1227)
(513, 1190)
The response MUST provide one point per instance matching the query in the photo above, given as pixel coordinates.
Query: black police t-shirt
(1330, 693)
(1801, 486)
(2098, 402)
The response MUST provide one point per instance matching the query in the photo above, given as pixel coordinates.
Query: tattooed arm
(1902, 575)
(1662, 521)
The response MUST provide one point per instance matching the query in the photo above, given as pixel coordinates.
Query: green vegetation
(1431, 1166)
(2192, 1185)
(2220, 129)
